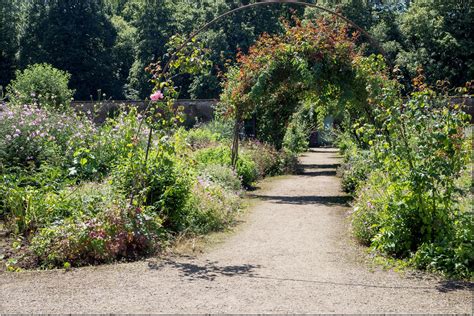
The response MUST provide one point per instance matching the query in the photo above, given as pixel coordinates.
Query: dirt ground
(294, 254)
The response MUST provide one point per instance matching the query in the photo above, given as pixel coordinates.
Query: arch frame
(204, 27)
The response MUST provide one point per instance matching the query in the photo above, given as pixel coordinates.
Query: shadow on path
(319, 166)
(322, 151)
(305, 199)
(210, 270)
(451, 286)
(207, 271)
(324, 173)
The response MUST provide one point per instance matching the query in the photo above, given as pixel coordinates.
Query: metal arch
(251, 5)
(220, 17)
(264, 2)
(268, 2)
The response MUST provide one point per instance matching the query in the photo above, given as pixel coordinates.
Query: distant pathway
(294, 255)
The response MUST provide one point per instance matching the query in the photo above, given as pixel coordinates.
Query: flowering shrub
(30, 135)
(111, 234)
(411, 203)
(221, 175)
(76, 193)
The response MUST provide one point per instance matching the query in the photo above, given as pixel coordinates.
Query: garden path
(293, 255)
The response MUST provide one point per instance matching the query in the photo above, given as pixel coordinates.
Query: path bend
(294, 255)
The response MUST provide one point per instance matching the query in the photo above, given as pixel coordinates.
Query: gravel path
(294, 255)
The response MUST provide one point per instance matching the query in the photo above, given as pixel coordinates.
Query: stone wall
(194, 110)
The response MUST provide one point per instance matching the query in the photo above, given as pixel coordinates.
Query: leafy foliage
(246, 168)
(309, 64)
(75, 36)
(43, 85)
(437, 36)
(127, 35)
(410, 204)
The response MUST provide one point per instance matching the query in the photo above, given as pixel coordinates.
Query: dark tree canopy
(75, 36)
(9, 18)
(106, 44)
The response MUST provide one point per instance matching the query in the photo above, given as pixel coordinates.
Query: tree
(235, 33)
(439, 37)
(152, 19)
(123, 51)
(75, 36)
(9, 27)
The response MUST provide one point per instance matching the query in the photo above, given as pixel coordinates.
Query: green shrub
(221, 175)
(297, 136)
(357, 163)
(29, 207)
(43, 85)
(365, 219)
(202, 137)
(453, 255)
(109, 143)
(109, 235)
(287, 162)
(384, 218)
(265, 156)
(210, 208)
(381, 219)
(223, 128)
(246, 168)
(355, 171)
(164, 184)
(209, 134)
(411, 203)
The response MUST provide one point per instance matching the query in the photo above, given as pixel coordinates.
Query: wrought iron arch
(204, 27)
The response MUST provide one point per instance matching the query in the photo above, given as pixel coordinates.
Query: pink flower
(157, 96)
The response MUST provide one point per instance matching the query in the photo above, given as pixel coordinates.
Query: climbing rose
(157, 96)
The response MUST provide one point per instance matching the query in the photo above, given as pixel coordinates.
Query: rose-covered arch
(311, 70)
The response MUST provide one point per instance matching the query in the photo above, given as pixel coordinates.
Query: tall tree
(225, 39)
(73, 35)
(439, 37)
(9, 27)
(123, 51)
(152, 19)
